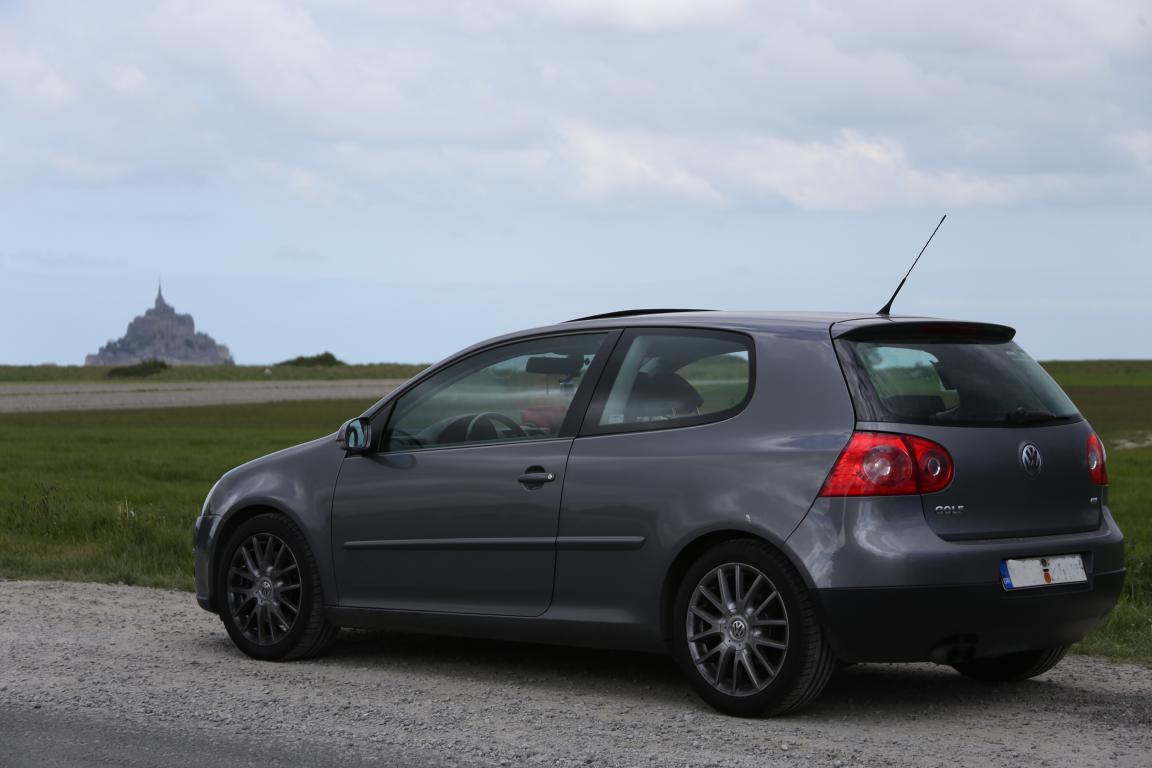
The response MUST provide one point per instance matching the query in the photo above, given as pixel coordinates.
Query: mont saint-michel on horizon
(161, 333)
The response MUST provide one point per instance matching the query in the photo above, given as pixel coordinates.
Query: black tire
(788, 678)
(1013, 666)
(298, 628)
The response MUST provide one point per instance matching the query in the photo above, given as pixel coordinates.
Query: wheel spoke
(725, 652)
(268, 560)
(738, 585)
(769, 623)
(703, 590)
(257, 553)
(756, 640)
(705, 633)
(240, 573)
(275, 611)
(249, 564)
(767, 601)
(752, 590)
(725, 596)
(752, 676)
(763, 661)
(713, 620)
(715, 650)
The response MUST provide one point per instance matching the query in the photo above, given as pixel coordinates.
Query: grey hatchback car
(764, 495)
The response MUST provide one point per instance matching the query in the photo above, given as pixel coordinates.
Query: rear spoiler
(912, 329)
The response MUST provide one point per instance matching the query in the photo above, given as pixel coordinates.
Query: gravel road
(140, 661)
(23, 398)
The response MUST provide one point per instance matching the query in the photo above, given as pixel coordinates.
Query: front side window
(519, 391)
(676, 378)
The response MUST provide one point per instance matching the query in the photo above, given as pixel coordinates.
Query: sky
(392, 181)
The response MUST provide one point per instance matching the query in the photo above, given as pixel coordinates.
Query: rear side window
(952, 382)
(663, 379)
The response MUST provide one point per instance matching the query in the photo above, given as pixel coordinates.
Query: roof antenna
(887, 308)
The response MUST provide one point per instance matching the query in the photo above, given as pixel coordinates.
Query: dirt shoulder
(147, 657)
(24, 398)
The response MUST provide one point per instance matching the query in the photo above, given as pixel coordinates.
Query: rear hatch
(1018, 445)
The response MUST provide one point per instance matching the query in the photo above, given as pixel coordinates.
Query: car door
(457, 509)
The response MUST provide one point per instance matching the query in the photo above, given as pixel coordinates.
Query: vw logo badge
(1030, 459)
(739, 629)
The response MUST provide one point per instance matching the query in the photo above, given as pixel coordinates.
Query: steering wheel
(491, 417)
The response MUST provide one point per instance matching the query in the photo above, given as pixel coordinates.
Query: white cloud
(127, 80)
(823, 105)
(32, 80)
(1137, 144)
(642, 14)
(851, 172)
(606, 164)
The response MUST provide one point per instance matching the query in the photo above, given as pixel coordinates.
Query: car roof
(749, 321)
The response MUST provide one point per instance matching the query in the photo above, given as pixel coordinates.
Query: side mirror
(355, 436)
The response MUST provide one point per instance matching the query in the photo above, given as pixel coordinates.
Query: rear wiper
(1024, 416)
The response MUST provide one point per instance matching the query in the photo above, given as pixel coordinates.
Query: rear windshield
(962, 383)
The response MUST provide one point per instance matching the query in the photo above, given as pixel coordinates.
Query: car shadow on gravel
(925, 691)
(505, 662)
(862, 692)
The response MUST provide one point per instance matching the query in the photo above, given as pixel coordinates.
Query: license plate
(1042, 571)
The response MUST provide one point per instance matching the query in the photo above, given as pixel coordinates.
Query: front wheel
(271, 601)
(746, 634)
(1013, 666)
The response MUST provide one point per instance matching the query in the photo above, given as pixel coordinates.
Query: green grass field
(110, 496)
(68, 374)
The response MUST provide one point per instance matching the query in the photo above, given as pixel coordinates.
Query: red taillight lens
(1097, 460)
(886, 464)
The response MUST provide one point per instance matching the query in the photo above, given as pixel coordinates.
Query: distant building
(162, 334)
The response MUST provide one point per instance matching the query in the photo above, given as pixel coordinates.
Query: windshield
(963, 383)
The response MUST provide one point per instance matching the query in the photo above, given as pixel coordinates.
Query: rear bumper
(890, 589)
(955, 623)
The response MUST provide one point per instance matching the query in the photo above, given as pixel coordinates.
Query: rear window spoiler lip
(920, 329)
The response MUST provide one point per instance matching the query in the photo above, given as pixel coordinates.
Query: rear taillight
(888, 464)
(1097, 463)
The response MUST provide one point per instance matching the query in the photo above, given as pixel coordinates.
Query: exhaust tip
(954, 650)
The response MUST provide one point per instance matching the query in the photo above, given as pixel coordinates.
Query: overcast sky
(395, 180)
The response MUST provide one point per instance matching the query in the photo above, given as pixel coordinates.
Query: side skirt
(587, 632)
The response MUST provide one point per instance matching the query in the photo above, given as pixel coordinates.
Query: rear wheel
(746, 633)
(1012, 666)
(271, 601)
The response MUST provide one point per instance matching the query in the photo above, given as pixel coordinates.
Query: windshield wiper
(1022, 415)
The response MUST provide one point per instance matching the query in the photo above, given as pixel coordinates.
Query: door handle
(536, 476)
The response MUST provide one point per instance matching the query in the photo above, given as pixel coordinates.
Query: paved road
(23, 398)
(128, 662)
(38, 737)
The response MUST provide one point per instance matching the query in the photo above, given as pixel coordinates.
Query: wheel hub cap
(737, 629)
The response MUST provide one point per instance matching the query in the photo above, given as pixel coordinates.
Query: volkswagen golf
(763, 495)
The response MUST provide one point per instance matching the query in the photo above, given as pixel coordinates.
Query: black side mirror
(355, 436)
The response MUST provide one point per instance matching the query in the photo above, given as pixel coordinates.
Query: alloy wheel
(264, 589)
(737, 629)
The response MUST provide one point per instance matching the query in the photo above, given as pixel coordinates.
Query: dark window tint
(953, 382)
(516, 392)
(669, 378)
